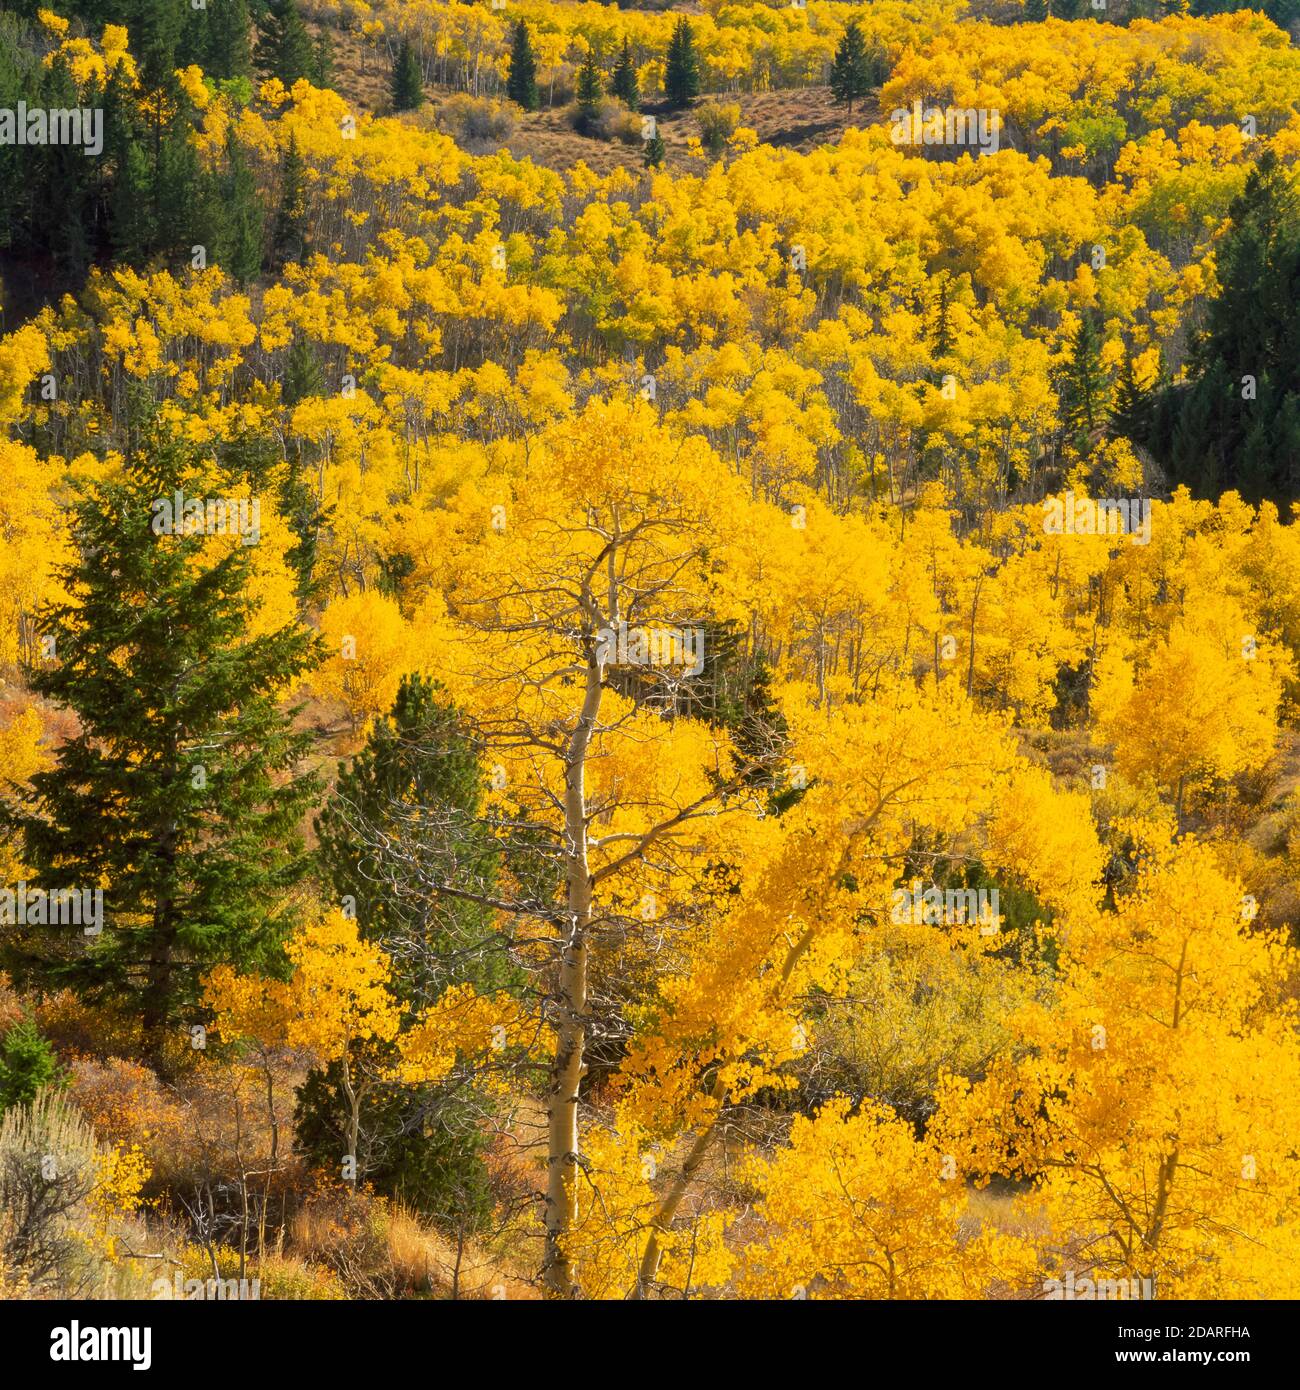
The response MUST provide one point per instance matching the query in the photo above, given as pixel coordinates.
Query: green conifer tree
(623, 84)
(302, 376)
(1233, 424)
(27, 1065)
(156, 29)
(1131, 410)
(322, 59)
(406, 813)
(1083, 391)
(179, 796)
(289, 237)
(284, 47)
(219, 39)
(240, 248)
(851, 71)
(682, 70)
(521, 81)
(61, 186)
(406, 86)
(589, 91)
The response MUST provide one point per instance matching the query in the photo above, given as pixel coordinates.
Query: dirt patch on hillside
(797, 118)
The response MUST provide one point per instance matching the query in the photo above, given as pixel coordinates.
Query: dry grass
(445, 1267)
(798, 118)
(379, 1249)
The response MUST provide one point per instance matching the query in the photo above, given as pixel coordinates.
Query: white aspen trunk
(571, 1030)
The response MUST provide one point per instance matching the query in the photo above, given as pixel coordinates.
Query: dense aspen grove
(597, 702)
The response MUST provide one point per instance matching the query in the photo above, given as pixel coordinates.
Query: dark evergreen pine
(734, 691)
(1130, 412)
(20, 76)
(589, 90)
(302, 374)
(284, 47)
(156, 28)
(407, 82)
(240, 249)
(178, 795)
(301, 508)
(298, 502)
(654, 151)
(521, 81)
(422, 1145)
(623, 83)
(407, 813)
(1236, 422)
(61, 183)
(158, 201)
(160, 204)
(54, 201)
(217, 38)
(851, 72)
(129, 196)
(230, 51)
(1036, 11)
(1082, 389)
(322, 59)
(682, 71)
(132, 231)
(1283, 13)
(289, 236)
(944, 340)
(176, 175)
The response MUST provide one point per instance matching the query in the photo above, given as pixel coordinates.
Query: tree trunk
(158, 991)
(354, 1116)
(562, 1109)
